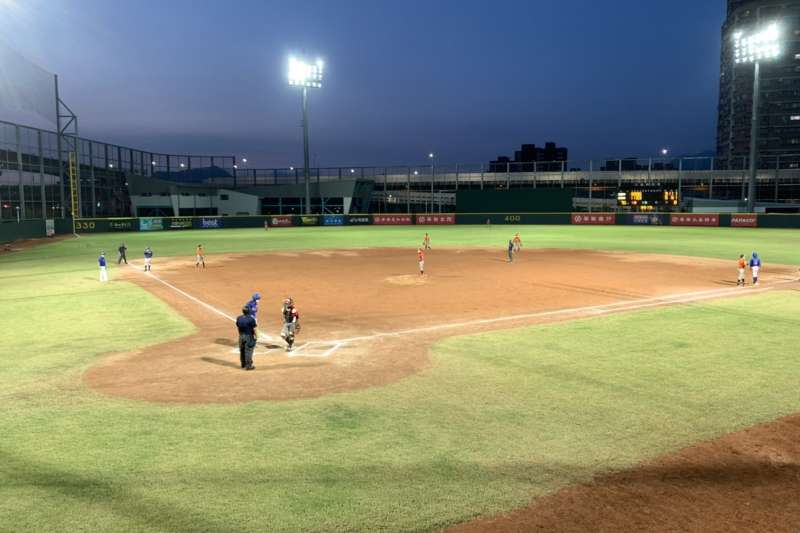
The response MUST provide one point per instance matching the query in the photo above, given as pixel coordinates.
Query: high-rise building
(548, 158)
(779, 121)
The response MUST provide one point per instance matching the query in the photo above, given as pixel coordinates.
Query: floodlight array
(757, 46)
(302, 74)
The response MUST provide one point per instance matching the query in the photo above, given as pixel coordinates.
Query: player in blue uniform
(755, 267)
(101, 261)
(510, 251)
(253, 304)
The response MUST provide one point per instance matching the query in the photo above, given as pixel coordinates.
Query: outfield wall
(578, 219)
(34, 229)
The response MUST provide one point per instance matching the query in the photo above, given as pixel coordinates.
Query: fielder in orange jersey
(421, 260)
(517, 243)
(742, 266)
(426, 242)
(201, 257)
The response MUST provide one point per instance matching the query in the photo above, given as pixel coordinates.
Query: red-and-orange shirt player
(517, 243)
(421, 259)
(742, 268)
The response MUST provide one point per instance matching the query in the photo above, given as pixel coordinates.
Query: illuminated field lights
(302, 74)
(757, 46)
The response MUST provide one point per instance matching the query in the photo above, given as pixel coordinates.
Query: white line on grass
(192, 298)
(622, 305)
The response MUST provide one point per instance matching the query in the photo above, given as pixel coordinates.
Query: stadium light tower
(755, 47)
(306, 75)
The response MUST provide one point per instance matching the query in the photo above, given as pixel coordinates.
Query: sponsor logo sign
(594, 219)
(653, 220)
(50, 227)
(693, 219)
(280, 221)
(309, 221)
(391, 220)
(151, 224)
(436, 219)
(333, 220)
(359, 220)
(121, 225)
(180, 223)
(744, 221)
(210, 223)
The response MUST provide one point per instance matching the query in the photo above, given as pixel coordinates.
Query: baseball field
(609, 379)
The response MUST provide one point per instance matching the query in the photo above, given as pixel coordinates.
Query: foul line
(623, 305)
(189, 296)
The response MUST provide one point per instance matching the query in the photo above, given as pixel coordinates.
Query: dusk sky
(468, 80)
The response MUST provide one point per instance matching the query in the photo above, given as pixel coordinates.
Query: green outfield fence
(31, 229)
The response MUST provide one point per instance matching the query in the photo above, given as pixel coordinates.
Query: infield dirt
(367, 295)
(747, 481)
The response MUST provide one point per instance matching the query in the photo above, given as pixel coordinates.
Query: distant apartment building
(548, 158)
(780, 85)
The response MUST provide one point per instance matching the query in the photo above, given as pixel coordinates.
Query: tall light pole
(305, 75)
(432, 157)
(755, 47)
(664, 154)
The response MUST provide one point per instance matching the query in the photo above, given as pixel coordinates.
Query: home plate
(315, 349)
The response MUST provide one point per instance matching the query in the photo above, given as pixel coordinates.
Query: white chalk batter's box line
(331, 346)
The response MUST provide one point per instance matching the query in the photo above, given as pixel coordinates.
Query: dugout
(544, 200)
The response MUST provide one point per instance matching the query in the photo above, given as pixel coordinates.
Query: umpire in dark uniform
(246, 325)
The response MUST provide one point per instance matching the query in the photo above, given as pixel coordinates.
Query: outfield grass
(498, 419)
(775, 245)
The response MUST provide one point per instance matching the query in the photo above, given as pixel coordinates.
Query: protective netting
(25, 86)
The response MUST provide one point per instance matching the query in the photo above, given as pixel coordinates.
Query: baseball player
(148, 259)
(510, 251)
(291, 323)
(122, 250)
(517, 243)
(101, 261)
(201, 256)
(252, 304)
(755, 267)
(421, 261)
(741, 266)
(426, 242)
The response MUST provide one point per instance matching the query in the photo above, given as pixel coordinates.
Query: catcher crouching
(291, 323)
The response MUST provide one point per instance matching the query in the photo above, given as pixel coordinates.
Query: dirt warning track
(369, 318)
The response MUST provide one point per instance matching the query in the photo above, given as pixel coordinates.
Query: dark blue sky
(465, 79)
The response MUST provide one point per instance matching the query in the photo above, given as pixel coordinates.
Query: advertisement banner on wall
(50, 227)
(647, 220)
(744, 221)
(210, 223)
(359, 220)
(594, 219)
(281, 221)
(333, 220)
(151, 224)
(122, 225)
(309, 220)
(693, 219)
(180, 223)
(434, 220)
(392, 220)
